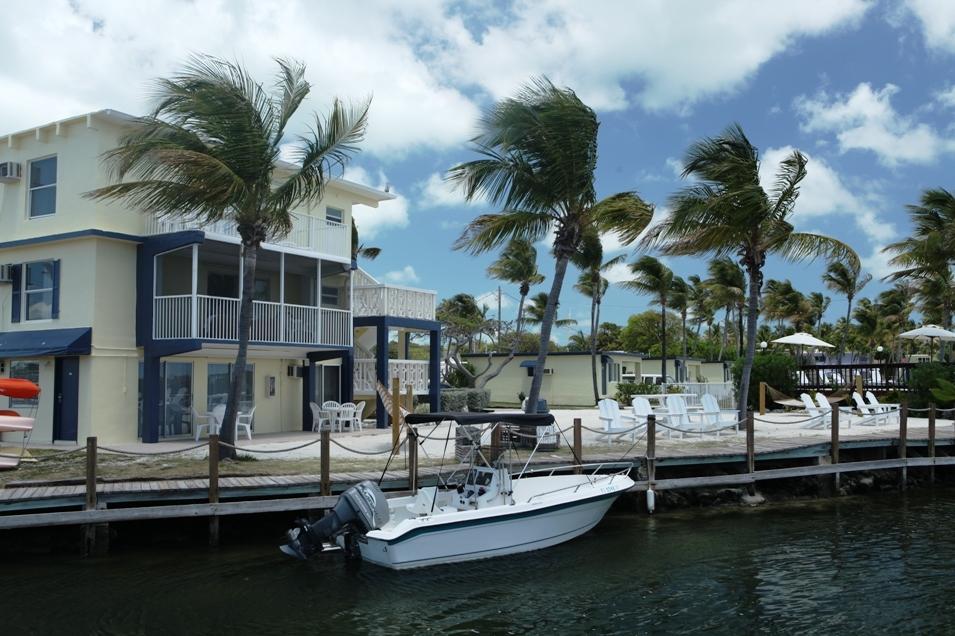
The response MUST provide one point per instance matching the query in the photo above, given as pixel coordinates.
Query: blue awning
(529, 364)
(45, 342)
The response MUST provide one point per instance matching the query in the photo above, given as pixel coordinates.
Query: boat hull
(526, 528)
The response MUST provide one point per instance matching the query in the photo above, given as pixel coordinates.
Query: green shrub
(461, 399)
(626, 390)
(674, 388)
(778, 370)
(924, 378)
(459, 380)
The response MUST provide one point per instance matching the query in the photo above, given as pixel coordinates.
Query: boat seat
(422, 503)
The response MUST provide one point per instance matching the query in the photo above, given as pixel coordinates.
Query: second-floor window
(331, 296)
(334, 215)
(42, 187)
(38, 290)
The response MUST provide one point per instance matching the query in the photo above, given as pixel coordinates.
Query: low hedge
(465, 399)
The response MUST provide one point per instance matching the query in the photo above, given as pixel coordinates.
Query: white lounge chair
(680, 420)
(882, 408)
(871, 415)
(826, 408)
(719, 418)
(819, 418)
(614, 422)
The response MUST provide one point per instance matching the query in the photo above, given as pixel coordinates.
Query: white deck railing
(724, 392)
(413, 372)
(391, 300)
(217, 318)
(307, 233)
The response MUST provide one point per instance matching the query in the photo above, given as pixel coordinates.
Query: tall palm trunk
(594, 318)
(663, 340)
(739, 331)
(250, 254)
(751, 320)
(683, 316)
(550, 312)
(845, 328)
(726, 331)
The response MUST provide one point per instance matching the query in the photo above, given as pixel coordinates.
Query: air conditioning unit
(10, 172)
(6, 273)
(548, 371)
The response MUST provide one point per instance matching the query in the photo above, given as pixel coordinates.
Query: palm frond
(490, 231)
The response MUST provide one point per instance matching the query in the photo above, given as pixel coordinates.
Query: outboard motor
(361, 508)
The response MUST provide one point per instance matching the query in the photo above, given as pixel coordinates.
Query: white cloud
(823, 193)
(490, 300)
(402, 276)
(618, 273)
(675, 166)
(388, 214)
(865, 120)
(937, 19)
(596, 47)
(946, 97)
(877, 262)
(437, 192)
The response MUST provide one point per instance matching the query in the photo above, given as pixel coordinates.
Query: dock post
(834, 444)
(88, 535)
(762, 398)
(214, 488)
(409, 397)
(578, 445)
(859, 388)
(325, 462)
(651, 461)
(931, 441)
(751, 449)
(903, 440)
(395, 412)
(412, 459)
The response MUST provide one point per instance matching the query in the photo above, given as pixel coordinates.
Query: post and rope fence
(834, 446)
(213, 487)
(762, 398)
(89, 531)
(750, 448)
(651, 461)
(903, 441)
(325, 479)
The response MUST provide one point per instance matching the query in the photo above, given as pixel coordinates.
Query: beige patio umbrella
(930, 333)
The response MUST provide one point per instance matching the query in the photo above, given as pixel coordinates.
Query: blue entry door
(66, 399)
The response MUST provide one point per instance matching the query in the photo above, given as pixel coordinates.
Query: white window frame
(31, 188)
(329, 208)
(25, 293)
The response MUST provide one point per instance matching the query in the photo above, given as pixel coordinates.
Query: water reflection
(860, 565)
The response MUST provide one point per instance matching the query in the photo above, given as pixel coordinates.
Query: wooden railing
(890, 376)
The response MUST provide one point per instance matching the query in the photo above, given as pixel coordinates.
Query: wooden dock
(746, 459)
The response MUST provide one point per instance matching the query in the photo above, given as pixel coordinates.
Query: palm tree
(783, 302)
(818, 304)
(359, 249)
(727, 212)
(846, 279)
(517, 265)
(538, 152)
(537, 313)
(654, 279)
(210, 150)
(578, 342)
(593, 285)
(726, 283)
(680, 301)
(701, 304)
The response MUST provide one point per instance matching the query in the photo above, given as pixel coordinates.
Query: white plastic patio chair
(218, 414)
(317, 416)
(614, 422)
(245, 420)
(715, 417)
(344, 417)
(357, 421)
(198, 425)
(329, 411)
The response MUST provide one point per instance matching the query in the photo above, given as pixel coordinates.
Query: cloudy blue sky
(865, 89)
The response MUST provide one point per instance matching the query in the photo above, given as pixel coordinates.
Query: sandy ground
(372, 444)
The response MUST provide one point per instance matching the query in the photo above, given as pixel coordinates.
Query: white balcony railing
(217, 318)
(391, 300)
(308, 233)
(413, 372)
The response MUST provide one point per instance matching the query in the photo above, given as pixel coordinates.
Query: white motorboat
(491, 512)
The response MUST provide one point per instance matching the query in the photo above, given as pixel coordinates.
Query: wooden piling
(88, 532)
(578, 444)
(213, 488)
(651, 449)
(859, 387)
(903, 440)
(834, 444)
(409, 398)
(412, 459)
(395, 412)
(931, 441)
(762, 398)
(325, 462)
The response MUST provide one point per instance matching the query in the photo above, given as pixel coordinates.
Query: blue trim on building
(65, 236)
(46, 342)
(145, 269)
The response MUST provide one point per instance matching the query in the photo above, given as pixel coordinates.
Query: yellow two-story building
(129, 322)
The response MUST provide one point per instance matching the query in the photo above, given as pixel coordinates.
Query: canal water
(860, 565)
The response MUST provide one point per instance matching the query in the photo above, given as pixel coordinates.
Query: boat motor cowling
(361, 508)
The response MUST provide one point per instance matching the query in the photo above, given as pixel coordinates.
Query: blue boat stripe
(497, 519)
